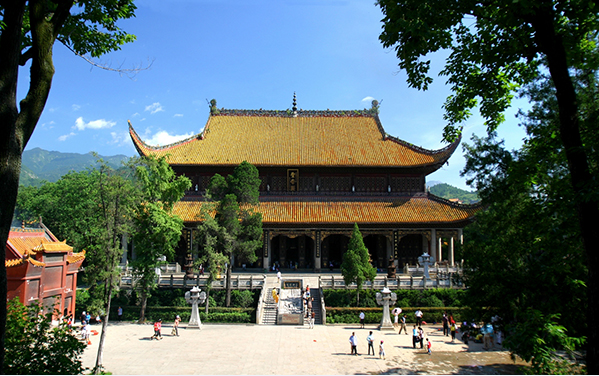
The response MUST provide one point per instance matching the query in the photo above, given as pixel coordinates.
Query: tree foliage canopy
(156, 230)
(524, 256)
(235, 230)
(495, 47)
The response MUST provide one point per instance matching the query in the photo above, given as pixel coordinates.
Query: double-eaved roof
(299, 139)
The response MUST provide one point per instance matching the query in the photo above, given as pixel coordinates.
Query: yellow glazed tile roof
(333, 139)
(46, 246)
(76, 257)
(27, 242)
(390, 211)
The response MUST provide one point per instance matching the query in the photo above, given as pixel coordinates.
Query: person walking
(421, 337)
(428, 346)
(353, 341)
(418, 315)
(381, 351)
(362, 318)
(119, 313)
(396, 311)
(312, 317)
(370, 340)
(309, 306)
(445, 324)
(403, 325)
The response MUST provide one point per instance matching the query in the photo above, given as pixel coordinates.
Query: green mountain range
(449, 192)
(39, 165)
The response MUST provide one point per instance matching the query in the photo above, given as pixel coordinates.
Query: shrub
(349, 315)
(242, 298)
(33, 347)
(167, 314)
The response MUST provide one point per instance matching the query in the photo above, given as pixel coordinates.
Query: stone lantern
(386, 298)
(195, 297)
(425, 261)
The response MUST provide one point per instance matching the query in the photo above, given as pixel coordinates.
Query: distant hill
(448, 191)
(39, 164)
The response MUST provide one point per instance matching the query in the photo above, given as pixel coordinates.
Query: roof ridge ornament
(294, 108)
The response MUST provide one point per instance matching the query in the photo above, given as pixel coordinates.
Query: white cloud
(162, 138)
(120, 138)
(75, 107)
(64, 137)
(154, 108)
(178, 115)
(94, 124)
(135, 114)
(368, 99)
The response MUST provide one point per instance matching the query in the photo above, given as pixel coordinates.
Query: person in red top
(157, 329)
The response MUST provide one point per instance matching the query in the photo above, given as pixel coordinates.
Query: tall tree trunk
(228, 281)
(16, 128)
(207, 300)
(582, 181)
(99, 358)
(142, 312)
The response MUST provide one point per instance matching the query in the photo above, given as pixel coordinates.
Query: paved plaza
(220, 349)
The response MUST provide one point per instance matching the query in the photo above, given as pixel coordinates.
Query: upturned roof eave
(444, 153)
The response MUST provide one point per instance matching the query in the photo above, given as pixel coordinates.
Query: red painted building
(40, 267)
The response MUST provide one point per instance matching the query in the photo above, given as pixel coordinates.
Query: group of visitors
(353, 341)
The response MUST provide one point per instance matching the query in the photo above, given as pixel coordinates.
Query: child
(381, 351)
(157, 328)
(83, 329)
(175, 331)
(428, 346)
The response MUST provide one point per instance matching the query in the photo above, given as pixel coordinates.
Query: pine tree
(356, 265)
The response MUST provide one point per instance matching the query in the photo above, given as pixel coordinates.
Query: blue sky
(246, 55)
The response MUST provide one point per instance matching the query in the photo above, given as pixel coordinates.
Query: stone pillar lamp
(386, 298)
(195, 297)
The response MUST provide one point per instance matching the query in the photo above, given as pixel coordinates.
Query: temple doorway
(333, 248)
(377, 248)
(293, 252)
(410, 247)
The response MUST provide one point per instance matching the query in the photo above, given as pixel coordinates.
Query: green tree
(528, 241)
(156, 229)
(356, 267)
(237, 230)
(92, 211)
(495, 48)
(36, 347)
(28, 31)
(208, 235)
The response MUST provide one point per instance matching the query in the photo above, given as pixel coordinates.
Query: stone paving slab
(220, 349)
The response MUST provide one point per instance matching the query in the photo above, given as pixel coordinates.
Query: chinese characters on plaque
(292, 179)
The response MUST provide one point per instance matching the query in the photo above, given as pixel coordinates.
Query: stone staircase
(269, 309)
(315, 293)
